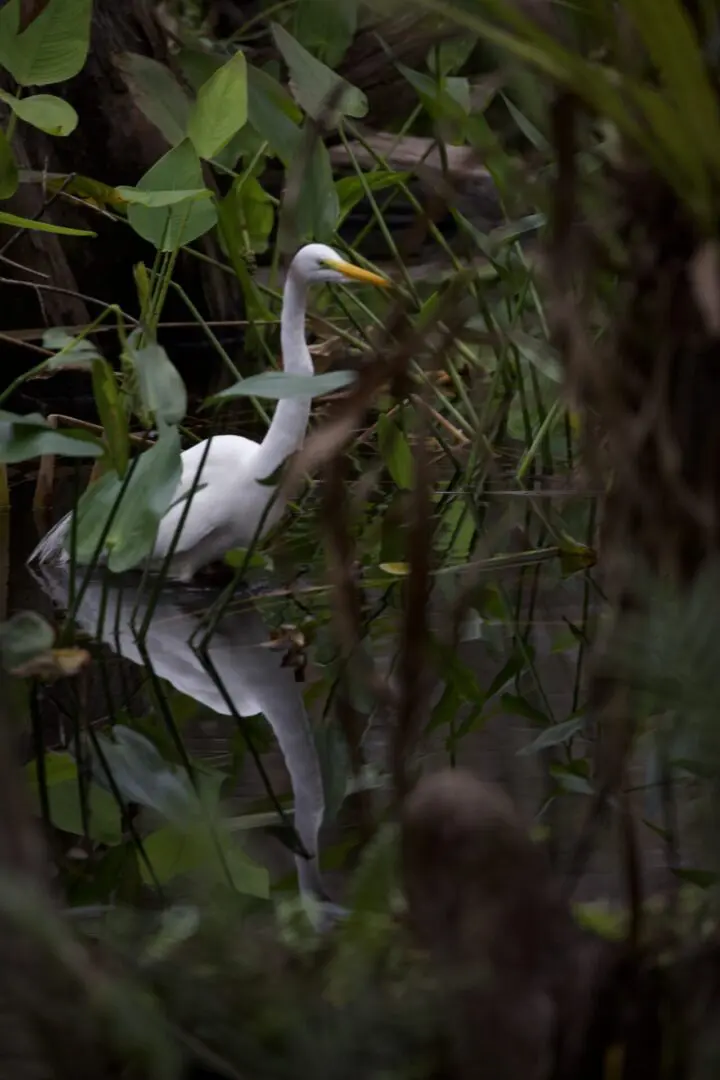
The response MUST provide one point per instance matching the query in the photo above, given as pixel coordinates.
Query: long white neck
(289, 424)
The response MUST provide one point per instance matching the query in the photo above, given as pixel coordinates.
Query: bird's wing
(223, 472)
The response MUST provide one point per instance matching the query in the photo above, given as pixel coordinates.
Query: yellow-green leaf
(44, 111)
(221, 108)
(40, 226)
(112, 414)
(52, 48)
(169, 227)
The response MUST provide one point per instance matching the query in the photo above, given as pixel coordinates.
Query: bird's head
(317, 262)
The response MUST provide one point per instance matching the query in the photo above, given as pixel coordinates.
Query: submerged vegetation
(503, 519)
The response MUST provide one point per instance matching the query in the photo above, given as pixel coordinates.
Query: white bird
(228, 503)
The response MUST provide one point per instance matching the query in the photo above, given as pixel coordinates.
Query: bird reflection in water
(245, 675)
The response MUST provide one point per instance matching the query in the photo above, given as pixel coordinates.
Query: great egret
(228, 503)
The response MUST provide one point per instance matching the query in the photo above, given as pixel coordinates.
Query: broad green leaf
(158, 94)
(144, 777)
(8, 169)
(273, 114)
(313, 215)
(137, 197)
(161, 387)
(93, 510)
(23, 637)
(553, 736)
(72, 352)
(25, 437)
(104, 815)
(59, 766)
(173, 851)
(317, 89)
(44, 111)
(351, 189)
(448, 100)
(150, 492)
(40, 226)
(197, 67)
(278, 385)
(52, 48)
(249, 210)
(221, 108)
(395, 452)
(450, 55)
(539, 352)
(326, 29)
(112, 414)
(169, 227)
(234, 242)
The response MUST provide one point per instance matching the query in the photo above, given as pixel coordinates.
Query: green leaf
(104, 815)
(44, 111)
(553, 736)
(173, 851)
(277, 385)
(24, 636)
(704, 879)
(25, 437)
(571, 778)
(450, 55)
(317, 89)
(540, 353)
(112, 414)
(162, 389)
(448, 100)
(528, 129)
(351, 189)
(316, 210)
(8, 169)
(40, 226)
(168, 228)
(157, 93)
(150, 492)
(273, 114)
(221, 108)
(328, 29)
(59, 766)
(73, 352)
(144, 777)
(517, 705)
(248, 211)
(137, 197)
(52, 48)
(395, 452)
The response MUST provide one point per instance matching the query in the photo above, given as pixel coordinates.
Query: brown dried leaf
(54, 664)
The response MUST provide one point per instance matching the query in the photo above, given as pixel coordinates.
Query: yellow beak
(358, 274)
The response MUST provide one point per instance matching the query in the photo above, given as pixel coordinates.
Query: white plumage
(229, 502)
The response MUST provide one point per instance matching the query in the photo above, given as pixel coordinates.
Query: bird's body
(229, 501)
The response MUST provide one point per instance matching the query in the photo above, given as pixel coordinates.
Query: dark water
(251, 676)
